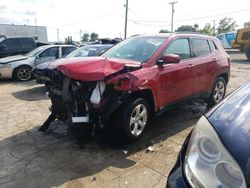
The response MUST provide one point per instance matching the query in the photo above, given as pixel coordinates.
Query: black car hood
(231, 120)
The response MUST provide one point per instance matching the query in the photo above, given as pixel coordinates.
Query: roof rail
(190, 32)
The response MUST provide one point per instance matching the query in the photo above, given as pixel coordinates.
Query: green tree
(247, 24)
(207, 29)
(226, 24)
(93, 37)
(68, 40)
(164, 31)
(85, 37)
(196, 26)
(188, 28)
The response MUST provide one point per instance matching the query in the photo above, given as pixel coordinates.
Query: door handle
(190, 65)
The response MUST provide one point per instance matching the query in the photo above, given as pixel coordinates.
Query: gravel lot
(64, 157)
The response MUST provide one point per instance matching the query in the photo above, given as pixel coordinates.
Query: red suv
(136, 78)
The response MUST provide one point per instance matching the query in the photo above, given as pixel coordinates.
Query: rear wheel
(23, 73)
(218, 92)
(132, 119)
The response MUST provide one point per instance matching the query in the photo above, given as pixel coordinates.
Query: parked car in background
(16, 45)
(137, 78)
(216, 152)
(42, 71)
(90, 50)
(20, 66)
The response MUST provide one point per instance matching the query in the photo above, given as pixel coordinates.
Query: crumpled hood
(63, 61)
(94, 68)
(12, 59)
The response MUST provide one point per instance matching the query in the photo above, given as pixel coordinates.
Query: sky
(107, 18)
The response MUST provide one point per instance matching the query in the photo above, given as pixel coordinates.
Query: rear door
(66, 50)
(176, 80)
(203, 62)
(28, 44)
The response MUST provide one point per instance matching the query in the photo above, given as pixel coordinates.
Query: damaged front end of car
(84, 100)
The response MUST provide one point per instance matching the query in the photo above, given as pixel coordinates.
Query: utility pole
(214, 27)
(58, 34)
(126, 20)
(172, 20)
(80, 36)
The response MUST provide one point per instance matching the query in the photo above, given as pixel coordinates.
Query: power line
(195, 18)
(86, 20)
(147, 24)
(204, 17)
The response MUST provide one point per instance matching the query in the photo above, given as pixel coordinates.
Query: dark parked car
(136, 78)
(217, 151)
(42, 71)
(16, 45)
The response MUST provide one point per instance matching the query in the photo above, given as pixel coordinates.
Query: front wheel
(218, 92)
(23, 73)
(132, 119)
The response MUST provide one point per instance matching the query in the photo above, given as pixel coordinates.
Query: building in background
(38, 32)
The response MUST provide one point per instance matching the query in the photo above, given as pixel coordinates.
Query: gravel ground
(64, 157)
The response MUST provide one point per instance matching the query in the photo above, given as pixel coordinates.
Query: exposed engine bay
(87, 102)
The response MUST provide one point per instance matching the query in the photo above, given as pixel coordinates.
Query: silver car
(20, 66)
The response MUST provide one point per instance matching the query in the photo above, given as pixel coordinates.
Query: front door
(47, 55)
(176, 80)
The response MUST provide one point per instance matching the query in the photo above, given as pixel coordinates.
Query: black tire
(23, 73)
(218, 92)
(248, 52)
(123, 126)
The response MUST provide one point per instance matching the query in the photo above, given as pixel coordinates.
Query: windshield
(36, 51)
(136, 48)
(1, 39)
(83, 52)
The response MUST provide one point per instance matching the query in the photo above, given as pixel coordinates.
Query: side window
(51, 52)
(245, 35)
(212, 46)
(200, 47)
(28, 43)
(179, 47)
(67, 50)
(12, 44)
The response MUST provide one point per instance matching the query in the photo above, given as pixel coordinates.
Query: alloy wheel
(138, 119)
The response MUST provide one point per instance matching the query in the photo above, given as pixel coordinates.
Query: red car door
(176, 80)
(203, 61)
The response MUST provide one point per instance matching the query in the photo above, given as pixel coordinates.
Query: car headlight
(5, 66)
(207, 161)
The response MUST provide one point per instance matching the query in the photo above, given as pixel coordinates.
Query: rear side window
(12, 43)
(67, 50)
(179, 47)
(245, 36)
(28, 43)
(212, 45)
(200, 47)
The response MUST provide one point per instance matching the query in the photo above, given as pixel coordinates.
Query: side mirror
(169, 58)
